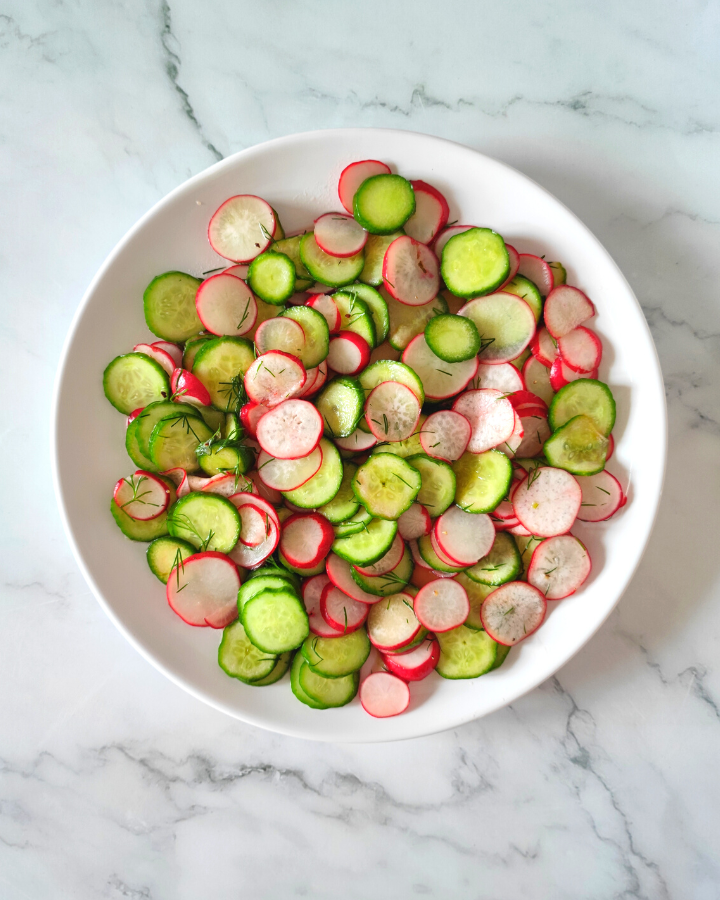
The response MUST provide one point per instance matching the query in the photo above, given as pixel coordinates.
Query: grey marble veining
(602, 783)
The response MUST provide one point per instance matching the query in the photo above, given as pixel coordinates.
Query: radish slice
(559, 566)
(580, 349)
(537, 379)
(431, 213)
(383, 694)
(392, 411)
(414, 665)
(245, 497)
(338, 571)
(560, 374)
(503, 377)
(290, 430)
(393, 623)
(522, 400)
(386, 563)
(226, 305)
(514, 265)
(445, 235)
(133, 415)
(352, 177)
(339, 235)
(445, 434)
(519, 530)
(535, 432)
(348, 354)
(358, 441)
(187, 388)
(288, 474)
(441, 554)
(225, 484)
(538, 271)
(311, 377)
(312, 591)
(274, 377)
(491, 417)
(241, 271)
(179, 477)
(267, 493)
(414, 522)
(242, 228)
(514, 442)
(421, 564)
(602, 496)
(464, 537)
(328, 308)
(411, 272)
(249, 557)
(513, 612)
(280, 333)
(340, 611)
(440, 379)
(322, 374)
(173, 350)
(203, 590)
(442, 604)
(254, 525)
(142, 496)
(160, 356)
(250, 415)
(306, 539)
(548, 502)
(543, 347)
(566, 307)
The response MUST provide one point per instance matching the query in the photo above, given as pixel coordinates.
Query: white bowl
(298, 175)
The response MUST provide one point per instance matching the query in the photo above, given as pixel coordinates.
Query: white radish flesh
(538, 271)
(290, 430)
(537, 379)
(226, 305)
(274, 377)
(340, 611)
(441, 605)
(414, 665)
(513, 612)
(393, 623)
(464, 537)
(504, 377)
(328, 308)
(288, 474)
(514, 264)
(250, 415)
(339, 235)
(514, 442)
(392, 411)
(240, 271)
(414, 522)
(559, 566)
(505, 323)
(560, 374)
(306, 539)
(142, 496)
(160, 356)
(173, 350)
(440, 379)
(348, 353)
(242, 228)
(254, 525)
(312, 592)
(602, 496)
(411, 272)
(544, 347)
(338, 571)
(491, 417)
(358, 441)
(431, 213)
(565, 308)
(187, 388)
(445, 434)
(535, 432)
(547, 501)
(580, 349)
(203, 591)
(383, 695)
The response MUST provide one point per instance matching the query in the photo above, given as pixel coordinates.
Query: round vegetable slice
(387, 562)
(440, 379)
(503, 377)
(280, 333)
(348, 353)
(513, 612)
(547, 502)
(226, 305)
(452, 338)
(411, 272)
(586, 397)
(441, 605)
(273, 378)
(352, 177)
(339, 572)
(340, 611)
(386, 485)
(392, 411)
(445, 435)
(272, 277)
(580, 349)
(306, 538)
(327, 307)
(161, 357)
(242, 228)
(383, 695)
(505, 323)
(391, 370)
(393, 623)
(475, 262)
(559, 566)
(465, 653)
(220, 364)
(565, 308)
(491, 417)
(538, 271)
(134, 380)
(431, 213)
(482, 480)
(288, 474)
(339, 235)
(327, 269)
(290, 430)
(602, 496)
(203, 590)
(169, 306)
(464, 537)
(578, 447)
(142, 496)
(324, 485)
(414, 522)
(383, 203)
(416, 664)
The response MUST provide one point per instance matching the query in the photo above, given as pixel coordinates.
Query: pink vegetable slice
(312, 591)
(445, 235)
(392, 411)
(306, 539)
(464, 537)
(445, 434)
(142, 496)
(560, 374)
(173, 350)
(254, 525)
(442, 604)
(414, 522)
(565, 308)
(537, 379)
(340, 611)
(393, 624)
(187, 388)
(547, 501)
(535, 432)
(290, 430)
(352, 177)
(358, 441)
(383, 694)
(203, 590)
(274, 377)
(538, 271)
(503, 377)
(514, 264)
(280, 333)
(440, 379)
(544, 347)
(339, 235)
(411, 272)
(386, 563)
(338, 571)
(513, 612)
(602, 496)
(226, 305)
(242, 228)
(559, 566)
(348, 353)
(580, 349)
(431, 213)
(416, 664)
(288, 474)
(328, 308)
(491, 417)
(159, 355)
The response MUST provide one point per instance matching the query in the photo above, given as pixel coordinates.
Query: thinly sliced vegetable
(202, 590)
(242, 228)
(513, 612)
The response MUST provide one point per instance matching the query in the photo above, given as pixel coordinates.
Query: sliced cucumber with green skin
(355, 316)
(331, 270)
(375, 250)
(524, 288)
(329, 692)
(483, 480)
(452, 338)
(377, 306)
(337, 656)
(500, 565)
(407, 322)
(143, 425)
(340, 403)
(191, 350)
(134, 380)
(270, 568)
(169, 303)
(317, 336)
(165, 553)
(239, 658)
(213, 418)
(221, 365)
(354, 523)
(465, 653)
(174, 440)
(291, 247)
(386, 485)
(275, 620)
(206, 521)
(584, 397)
(476, 595)
(367, 546)
(272, 277)
(475, 262)
(559, 273)
(406, 448)
(133, 449)
(344, 504)
(255, 584)
(305, 573)
(298, 664)
(391, 370)
(437, 491)
(324, 484)
(137, 530)
(502, 649)
(425, 549)
(390, 583)
(220, 459)
(383, 203)
(282, 664)
(577, 447)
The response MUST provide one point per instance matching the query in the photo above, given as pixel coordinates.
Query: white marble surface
(601, 784)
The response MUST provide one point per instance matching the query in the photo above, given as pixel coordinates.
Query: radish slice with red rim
(274, 377)
(602, 496)
(440, 379)
(503, 377)
(526, 399)
(225, 485)
(559, 566)
(340, 611)
(414, 522)
(358, 441)
(288, 474)
(306, 539)
(312, 591)
(187, 388)
(255, 525)
(445, 235)
(160, 356)
(538, 271)
(240, 271)
(179, 478)
(513, 612)
(290, 430)
(246, 497)
(203, 590)
(442, 604)
(352, 177)
(445, 435)
(328, 308)
(416, 664)
(491, 417)
(535, 432)
(250, 557)
(580, 349)
(383, 695)
(338, 571)
(133, 415)
(386, 563)
(142, 496)
(339, 235)
(431, 213)
(464, 537)
(548, 501)
(514, 265)
(514, 442)
(560, 374)
(348, 353)
(537, 379)
(565, 308)
(242, 228)
(393, 624)
(411, 272)
(544, 347)
(267, 493)
(250, 415)
(173, 350)
(442, 555)
(392, 411)
(280, 333)
(226, 305)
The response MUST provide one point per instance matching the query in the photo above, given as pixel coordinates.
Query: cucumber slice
(438, 483)
(291, 248)
(317, 336)
(337, 656)
(377, 306)
(577, 447)
(282, 664)
(354, 523)
(340, 403)
(384, 203)
(476, 595)
(324, 484)
(524, 288)
(584, 397)
(406, 448)
(452, 338)
(239, 658)
(330, 692)
(386, 485)
(355, 316)
(375, 250)
(191, 349)
(165, 553)
(206, 521)
(133, 449)
(137, 530)
(298, 665)
(257, 583)
(391, 370)
(221, 365)
(501, 564)
(213, 418)
(407, 322)
(144, 424)
(275, 620)
(366, 546)
(174, 440)
(134, 380)
(559, 273)
(475, 262)
(169, 303)
(425, 549)
(483, 480)
(390, 583)
(465, 653)
(220, 458)
(502, 649)
(326, 269)
(344, 504)
(272, 277)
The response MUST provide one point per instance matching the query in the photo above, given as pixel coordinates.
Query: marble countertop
(603, 783)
